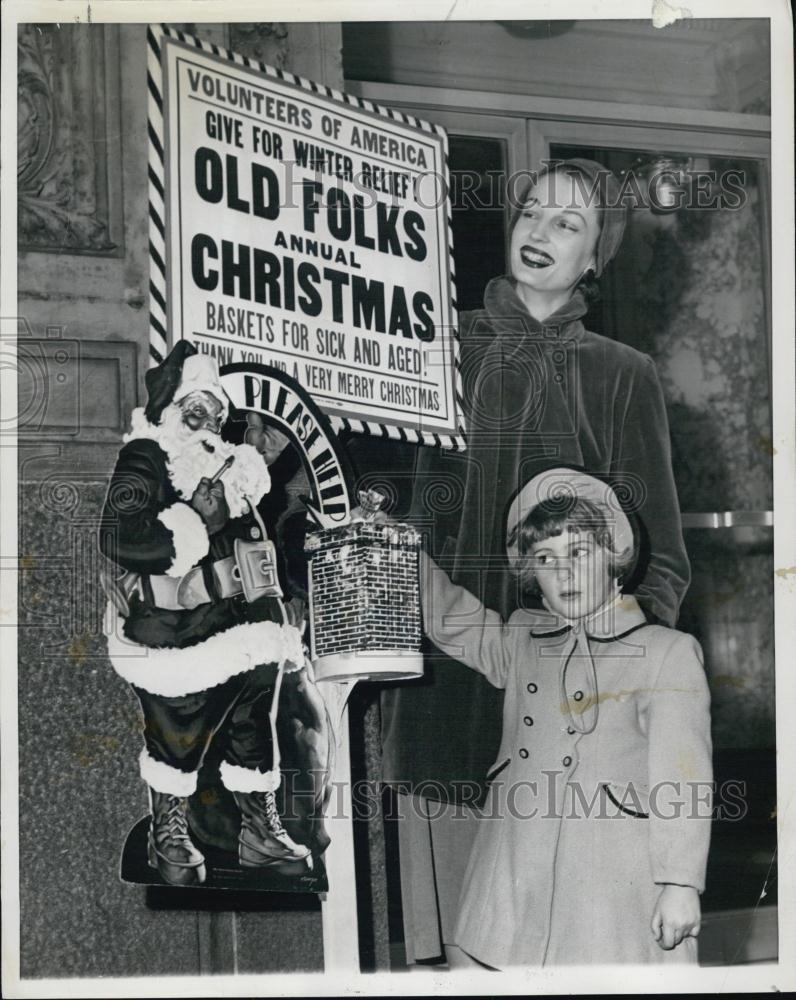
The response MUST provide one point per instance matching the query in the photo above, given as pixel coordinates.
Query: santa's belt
(250, 572)
(184, 593)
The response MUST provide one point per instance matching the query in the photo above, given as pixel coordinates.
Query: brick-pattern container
(365, 601)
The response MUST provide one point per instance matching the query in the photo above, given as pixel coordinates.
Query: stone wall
(83, 334)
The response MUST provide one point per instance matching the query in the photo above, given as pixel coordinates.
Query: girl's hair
(568, 513)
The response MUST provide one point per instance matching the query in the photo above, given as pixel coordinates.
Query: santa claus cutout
(198, 625)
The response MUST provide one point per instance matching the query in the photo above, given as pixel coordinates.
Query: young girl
(593, 842)
(537, 383)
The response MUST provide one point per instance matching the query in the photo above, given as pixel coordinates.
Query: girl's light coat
(559, 872)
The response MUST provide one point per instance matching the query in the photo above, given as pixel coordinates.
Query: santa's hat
(182, 372)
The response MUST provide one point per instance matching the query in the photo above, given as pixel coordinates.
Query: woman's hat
(557, 487)
(614, 214)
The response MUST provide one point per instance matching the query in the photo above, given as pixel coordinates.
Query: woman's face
(555, 238)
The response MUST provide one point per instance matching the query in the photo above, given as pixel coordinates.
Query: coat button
(523, 753)
(570, 730)
(254, 533)
(532, 688)
(578, 696)
(528, 720)
(567, 761)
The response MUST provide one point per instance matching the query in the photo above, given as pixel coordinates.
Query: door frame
(562, 109)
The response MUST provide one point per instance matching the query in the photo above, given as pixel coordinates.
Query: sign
(301, 228)
(276, 396)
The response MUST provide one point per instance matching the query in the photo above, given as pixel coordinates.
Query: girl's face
(573, 572)
(555, 238)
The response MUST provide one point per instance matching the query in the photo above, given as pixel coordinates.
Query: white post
(339, 904)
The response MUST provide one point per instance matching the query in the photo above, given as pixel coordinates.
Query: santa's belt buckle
(255, 567)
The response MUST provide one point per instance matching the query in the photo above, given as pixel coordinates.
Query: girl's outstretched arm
(457, 622)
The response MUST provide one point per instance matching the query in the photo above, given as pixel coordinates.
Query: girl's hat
(614, 214)
(558, 487)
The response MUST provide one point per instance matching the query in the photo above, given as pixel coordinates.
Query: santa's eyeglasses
(199, 414)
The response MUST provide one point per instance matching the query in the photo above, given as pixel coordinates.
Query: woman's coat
(580, 830)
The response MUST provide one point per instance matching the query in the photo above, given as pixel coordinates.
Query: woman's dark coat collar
(505, 308)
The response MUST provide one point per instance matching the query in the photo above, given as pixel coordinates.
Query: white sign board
(305, 229)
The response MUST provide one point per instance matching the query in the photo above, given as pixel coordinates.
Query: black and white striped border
(158, 312)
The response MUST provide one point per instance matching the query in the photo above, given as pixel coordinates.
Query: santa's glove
(209, 502)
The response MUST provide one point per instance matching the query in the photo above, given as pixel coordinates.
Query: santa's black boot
(170, 847)
(263, 840)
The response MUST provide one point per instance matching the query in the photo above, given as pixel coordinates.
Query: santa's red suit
(197, 650)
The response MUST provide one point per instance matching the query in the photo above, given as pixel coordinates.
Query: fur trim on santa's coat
(248, 480)
(244, 779)
(140, 427)
(166, 779)
(174, 672)
(189, 537)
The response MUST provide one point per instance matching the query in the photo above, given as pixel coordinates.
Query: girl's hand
(677, 915)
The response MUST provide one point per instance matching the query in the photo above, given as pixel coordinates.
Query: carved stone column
(312, 50)
(68, 194)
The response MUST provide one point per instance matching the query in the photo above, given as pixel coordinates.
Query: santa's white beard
(192, 455)
(189, 459)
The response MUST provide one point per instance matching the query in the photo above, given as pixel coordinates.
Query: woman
(541, 391)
